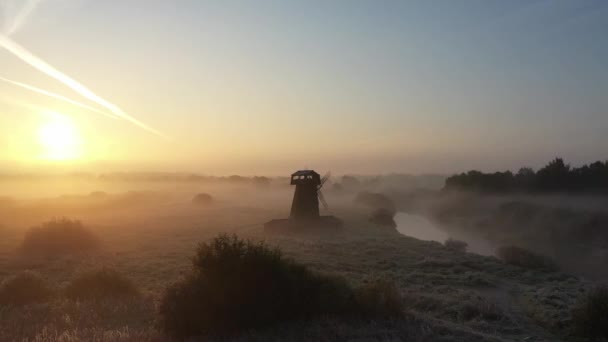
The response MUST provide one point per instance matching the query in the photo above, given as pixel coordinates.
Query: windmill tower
(304, 216)
(305, 205)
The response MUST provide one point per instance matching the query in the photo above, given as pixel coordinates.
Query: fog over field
(146, 227)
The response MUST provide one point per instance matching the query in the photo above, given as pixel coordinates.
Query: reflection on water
(421, 228)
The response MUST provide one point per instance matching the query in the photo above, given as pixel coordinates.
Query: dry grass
(479, 308)
(67, 320)
(379, 298)
(153, 245)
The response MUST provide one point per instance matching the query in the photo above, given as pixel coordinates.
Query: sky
(266, 87)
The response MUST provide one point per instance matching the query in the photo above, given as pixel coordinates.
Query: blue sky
(355, 86)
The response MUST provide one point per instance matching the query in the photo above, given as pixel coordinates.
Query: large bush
(524, 258)
(59, 237)
(456, 245)
(24, 288)
(100, 284)
(375, 201)
(383, 217)
(238, 285)
(202, 199)
(590, 315)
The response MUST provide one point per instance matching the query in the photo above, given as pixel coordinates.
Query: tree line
(556, 176)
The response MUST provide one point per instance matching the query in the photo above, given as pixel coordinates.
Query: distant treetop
(556, 176)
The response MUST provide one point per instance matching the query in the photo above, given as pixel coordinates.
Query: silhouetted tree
(525, 178)
(350, 182)
(557, 176)
(261, 180)
(554, 177)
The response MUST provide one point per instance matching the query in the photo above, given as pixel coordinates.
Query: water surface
(420, 227)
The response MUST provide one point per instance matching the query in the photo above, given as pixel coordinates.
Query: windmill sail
(322, 200)
(324, 179)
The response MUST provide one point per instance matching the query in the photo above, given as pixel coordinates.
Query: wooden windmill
(305, 205)
(304, 216)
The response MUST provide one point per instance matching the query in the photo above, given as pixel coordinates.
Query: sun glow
(59, 139)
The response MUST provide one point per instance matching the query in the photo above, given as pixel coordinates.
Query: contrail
(19, 20)
(46, 68)
(35, 108)
(57, 96)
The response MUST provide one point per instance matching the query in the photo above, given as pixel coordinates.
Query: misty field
(144, 242)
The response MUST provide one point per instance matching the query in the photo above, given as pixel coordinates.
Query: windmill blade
(322, 199)
(325, 178)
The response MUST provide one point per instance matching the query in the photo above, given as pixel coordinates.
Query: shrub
(456, 245)
(383, 217)
(98, 194)
(238, 285)
(59, 236)
(524, 258)
(590, 315)
(99, 284)
(375, 201)
(261, 181)
(202, 198)
(24, 288)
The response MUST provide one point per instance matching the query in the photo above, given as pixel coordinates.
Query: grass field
(449, 295)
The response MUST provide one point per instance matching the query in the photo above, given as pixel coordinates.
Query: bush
(98, 194)
(59, 236)
(383, 217)
(202, 198)
(24, 288)
(237, 285)
(261, 181)
(590, 315)
(456, 245)
(100, 284)
(524, 258)
(375, 201)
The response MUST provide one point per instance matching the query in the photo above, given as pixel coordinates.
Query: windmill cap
(304, 173)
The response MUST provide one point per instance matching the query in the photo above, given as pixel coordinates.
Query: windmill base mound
(323, 224)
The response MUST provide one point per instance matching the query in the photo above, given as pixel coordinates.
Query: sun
(59, 139)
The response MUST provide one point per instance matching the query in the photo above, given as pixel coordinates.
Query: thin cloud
(49, 70)
(21, 17)
(57, 96)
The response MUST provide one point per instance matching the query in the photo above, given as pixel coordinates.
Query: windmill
(306, 198)
(304, 215)
(320, 194)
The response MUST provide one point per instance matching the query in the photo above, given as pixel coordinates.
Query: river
(420, 227)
